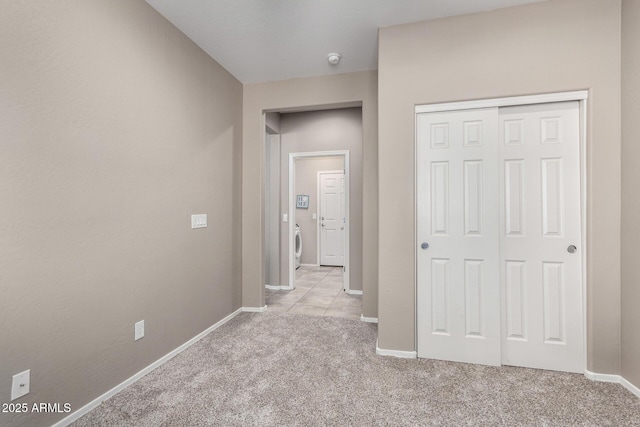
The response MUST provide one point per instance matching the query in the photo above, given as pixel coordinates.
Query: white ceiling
(266, 40)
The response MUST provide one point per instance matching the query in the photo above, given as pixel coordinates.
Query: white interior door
(458, 218)
(332, 219)
(541, 237)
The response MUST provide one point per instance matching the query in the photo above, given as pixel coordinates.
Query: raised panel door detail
(440, 295)
(458, 211)
(553, 300)
(498, 210)
(439, 198)
(473, 133)
(516, 303)
(513, 132)
(440, 135)
(550, 130)
(473, 297)
(473, 197)
(552, 206)
(550, 289)
(514, 197)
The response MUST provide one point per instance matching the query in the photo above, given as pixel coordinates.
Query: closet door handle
(424, 245)
(572, 249)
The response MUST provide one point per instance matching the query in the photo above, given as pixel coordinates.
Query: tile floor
(318, 292)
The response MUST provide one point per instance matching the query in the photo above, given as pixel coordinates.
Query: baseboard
(97, 401)
(278, 288)
(396, 353)
(369, 319)
(632, 388)
(354, 292)
(255, 309)
(309, 265)
(610, 378)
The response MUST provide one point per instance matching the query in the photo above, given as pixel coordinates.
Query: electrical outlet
(20, 384)
(138, 330)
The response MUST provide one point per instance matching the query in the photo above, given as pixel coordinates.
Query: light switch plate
(285, 217)
(199, 221)
(138, 330)
(314, 216)
(20, 384)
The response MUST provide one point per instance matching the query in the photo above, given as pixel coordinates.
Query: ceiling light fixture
(334, 58)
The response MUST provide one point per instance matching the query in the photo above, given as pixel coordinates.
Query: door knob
(322, 224)
(424, 245)
(572, 249)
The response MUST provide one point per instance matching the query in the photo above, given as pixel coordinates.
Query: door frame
(582, 97)
(292, 209)
(318, 207)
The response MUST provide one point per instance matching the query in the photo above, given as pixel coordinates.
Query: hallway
(319, 293)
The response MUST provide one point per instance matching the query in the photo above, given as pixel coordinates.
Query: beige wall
(114, 128)
(553, 46)
(326, 130)
(630, 191)
(307, 183)
(311, 94)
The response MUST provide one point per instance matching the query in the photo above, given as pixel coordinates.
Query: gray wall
(630, 191)
(310, 94)
(272, 121)
(272, 208)
(307, 183)
(326, 130)
(114, 129)
(552, 46)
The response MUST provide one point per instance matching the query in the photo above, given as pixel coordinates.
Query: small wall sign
(302, 201)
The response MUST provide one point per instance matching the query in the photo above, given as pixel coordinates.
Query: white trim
(368, 319)
(292, 210)
(309, 265)
(354, 292)
(254, 309)
(278, 288)
(581, 96)
(583, 218)
(604, 378)
(504, 102)
(98, 400)
(632, 388)
(611, 378)
(396, 353)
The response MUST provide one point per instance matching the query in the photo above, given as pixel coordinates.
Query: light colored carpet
(280, 369)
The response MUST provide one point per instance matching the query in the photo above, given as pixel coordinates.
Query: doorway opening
(311, 216)
(331, 218)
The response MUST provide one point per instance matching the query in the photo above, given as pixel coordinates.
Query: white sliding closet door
(458, 217)
(499, 236)
(541, 237)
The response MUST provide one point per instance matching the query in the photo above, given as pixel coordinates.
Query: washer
(298, 246)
